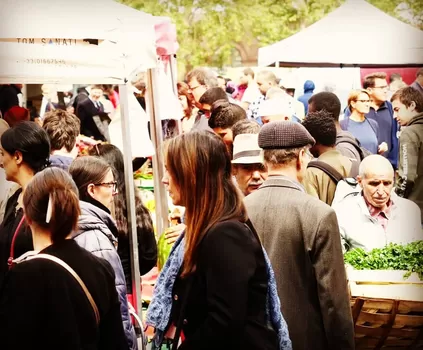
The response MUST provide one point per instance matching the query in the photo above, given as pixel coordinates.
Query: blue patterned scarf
(158, 313)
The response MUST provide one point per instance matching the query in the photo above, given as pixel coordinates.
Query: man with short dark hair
(418, 83)
(211, 96)
(223, 116)
(317, 181)
(408, 111)
(301, 236)
(63, 129)
(346, 143)
(199, 80)
(381, 111)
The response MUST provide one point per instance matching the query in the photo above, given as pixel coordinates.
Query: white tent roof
(356, 33)
(43, 41)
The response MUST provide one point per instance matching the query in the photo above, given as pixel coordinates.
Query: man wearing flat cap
(301, 236)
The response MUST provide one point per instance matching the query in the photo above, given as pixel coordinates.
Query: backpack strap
(327, 169)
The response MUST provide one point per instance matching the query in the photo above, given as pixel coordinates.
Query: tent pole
(174, 77)
(160, 195)
(130, 198)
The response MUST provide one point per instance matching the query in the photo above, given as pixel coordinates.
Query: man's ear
(360, 181)
(412, 106)
(234, 170)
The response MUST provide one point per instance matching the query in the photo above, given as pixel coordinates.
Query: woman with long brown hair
(214, 290)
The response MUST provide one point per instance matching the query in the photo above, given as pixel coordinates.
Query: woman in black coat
(216, 279)
(42, 305)
(24, 151)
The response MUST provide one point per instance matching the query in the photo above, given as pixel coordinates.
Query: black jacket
(86, 110)
(226, 306)
(42, 306)
(23, 242)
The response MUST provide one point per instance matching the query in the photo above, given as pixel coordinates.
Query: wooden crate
(387, 309)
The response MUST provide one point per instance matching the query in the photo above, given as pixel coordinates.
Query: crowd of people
(257, 262)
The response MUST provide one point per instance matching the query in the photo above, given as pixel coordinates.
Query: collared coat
(301, 236)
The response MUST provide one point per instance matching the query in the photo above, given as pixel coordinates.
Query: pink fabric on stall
(166, 41)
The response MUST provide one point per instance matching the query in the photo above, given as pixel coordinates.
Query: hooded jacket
(410, 168)
(308, 91)
(97, 233)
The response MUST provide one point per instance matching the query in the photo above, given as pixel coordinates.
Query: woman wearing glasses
(364, 129)
(97, 231)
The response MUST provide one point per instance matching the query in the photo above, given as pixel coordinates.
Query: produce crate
(387, 309)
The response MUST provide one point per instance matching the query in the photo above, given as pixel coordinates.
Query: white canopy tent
(356, 34)
(76, 41)
(47, 42)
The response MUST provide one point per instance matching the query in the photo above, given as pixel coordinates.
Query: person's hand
(172, 233)
(383, 147)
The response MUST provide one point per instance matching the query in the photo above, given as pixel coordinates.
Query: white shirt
(360, 230)
(251, 93)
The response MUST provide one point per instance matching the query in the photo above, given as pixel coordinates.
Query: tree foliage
(210, 30)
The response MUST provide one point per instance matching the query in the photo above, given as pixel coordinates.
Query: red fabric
(15, 115)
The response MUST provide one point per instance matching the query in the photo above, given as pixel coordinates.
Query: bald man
(377, 216)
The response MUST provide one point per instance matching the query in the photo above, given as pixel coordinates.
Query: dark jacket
(97, 234)
(147, 254)
(410, 167)
(23, 242)
(226, 307)
(301, 236)
(61, 162)
(42, 306)
(8, 97)
(417, 86)
(86, 111)
(308, 92)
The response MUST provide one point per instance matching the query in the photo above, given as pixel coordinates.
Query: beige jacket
(318, 184)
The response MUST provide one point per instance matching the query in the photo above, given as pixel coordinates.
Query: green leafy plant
(392, 257)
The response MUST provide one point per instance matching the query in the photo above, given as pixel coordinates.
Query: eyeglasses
(195, 87)
(112, 184)
(381, 87)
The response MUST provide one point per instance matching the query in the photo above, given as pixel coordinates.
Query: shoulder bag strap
(12, 245)
(75, 275)
(327, 169)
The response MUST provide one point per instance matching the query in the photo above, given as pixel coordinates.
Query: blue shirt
(388, 129)
(365, 132)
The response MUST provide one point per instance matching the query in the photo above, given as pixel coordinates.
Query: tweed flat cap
(284, 134)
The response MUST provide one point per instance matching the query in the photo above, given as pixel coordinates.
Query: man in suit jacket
(94, 121)
(301, 236)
